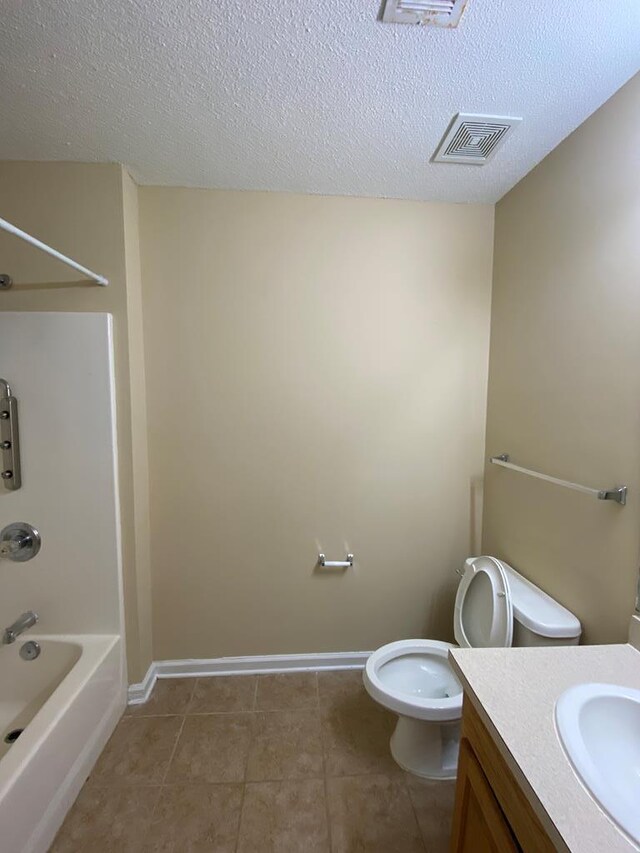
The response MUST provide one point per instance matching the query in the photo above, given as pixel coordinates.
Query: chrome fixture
(19, 542)
(22, 624)
(617, 493)
(335, 564)
(6, 282)
(9, 439)
(30, 650)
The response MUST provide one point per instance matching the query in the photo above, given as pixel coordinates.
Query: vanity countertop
(514, 690)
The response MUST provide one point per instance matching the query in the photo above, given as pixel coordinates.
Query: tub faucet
(22, 623)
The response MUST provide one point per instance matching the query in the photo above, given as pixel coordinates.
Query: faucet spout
(22, 623)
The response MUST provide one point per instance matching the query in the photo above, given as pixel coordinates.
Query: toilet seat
(483, 613)
(413, 678)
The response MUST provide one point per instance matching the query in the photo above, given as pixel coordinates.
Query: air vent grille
(474, 138)
(435, 13)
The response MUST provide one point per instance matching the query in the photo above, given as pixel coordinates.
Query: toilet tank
(538, 619)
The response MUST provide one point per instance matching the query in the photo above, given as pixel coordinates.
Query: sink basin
(599, 728)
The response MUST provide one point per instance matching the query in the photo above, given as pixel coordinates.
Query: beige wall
(316, 378)
(87, 211)
(564, 390)
(316, 372)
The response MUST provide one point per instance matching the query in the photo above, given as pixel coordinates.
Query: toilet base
(426, 749)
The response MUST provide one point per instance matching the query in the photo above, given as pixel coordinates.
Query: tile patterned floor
(294, 763)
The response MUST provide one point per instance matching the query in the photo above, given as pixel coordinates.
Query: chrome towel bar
(617, 494)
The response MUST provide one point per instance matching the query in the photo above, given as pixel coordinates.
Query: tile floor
(295, 763)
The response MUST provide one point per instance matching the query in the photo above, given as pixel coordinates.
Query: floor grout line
(198, 782)
(162, 784)
(173, 751)
(237, 844)
(246, 767)
(415, 814)
(325, 777)
(311, 709)
(191, 695)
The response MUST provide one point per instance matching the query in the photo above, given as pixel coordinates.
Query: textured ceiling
(302, 96)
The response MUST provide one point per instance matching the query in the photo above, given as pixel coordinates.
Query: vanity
(516, 789)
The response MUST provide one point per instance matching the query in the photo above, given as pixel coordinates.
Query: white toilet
(495, 606)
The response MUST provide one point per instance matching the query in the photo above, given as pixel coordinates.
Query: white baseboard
(138, 694)
(251, 665)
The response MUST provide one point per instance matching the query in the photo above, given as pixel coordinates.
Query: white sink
(599, 728)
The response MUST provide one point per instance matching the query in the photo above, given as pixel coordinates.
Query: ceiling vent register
(474, 138)
(430, 13)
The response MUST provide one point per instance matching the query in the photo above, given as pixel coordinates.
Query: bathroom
(293, 334)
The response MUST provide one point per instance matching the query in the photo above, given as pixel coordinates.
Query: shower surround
(68, 699)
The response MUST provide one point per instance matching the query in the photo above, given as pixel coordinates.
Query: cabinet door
(479, 825)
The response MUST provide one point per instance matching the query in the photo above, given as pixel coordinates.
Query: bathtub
(67, 702)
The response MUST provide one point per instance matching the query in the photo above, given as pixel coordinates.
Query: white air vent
(434, 13)
(474, 138)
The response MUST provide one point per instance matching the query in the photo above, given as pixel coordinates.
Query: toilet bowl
(413, 679)
(495, 606)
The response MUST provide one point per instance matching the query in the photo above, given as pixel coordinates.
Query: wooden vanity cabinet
(492, 814)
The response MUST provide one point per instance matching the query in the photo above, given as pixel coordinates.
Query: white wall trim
(139, 693)
(250, 665)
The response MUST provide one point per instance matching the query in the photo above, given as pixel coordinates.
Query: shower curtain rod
(33, 241)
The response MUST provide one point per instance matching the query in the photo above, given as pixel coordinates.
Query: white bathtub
(68, 701)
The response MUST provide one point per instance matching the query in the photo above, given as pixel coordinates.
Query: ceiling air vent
(434, 13)
(474, 138)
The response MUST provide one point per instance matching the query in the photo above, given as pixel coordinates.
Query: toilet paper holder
(335, 564)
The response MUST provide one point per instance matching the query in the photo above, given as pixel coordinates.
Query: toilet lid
(483, 614)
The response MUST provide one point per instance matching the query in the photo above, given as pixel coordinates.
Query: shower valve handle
(19, 542)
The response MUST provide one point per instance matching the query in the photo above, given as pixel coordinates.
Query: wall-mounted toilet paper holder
(335, 564)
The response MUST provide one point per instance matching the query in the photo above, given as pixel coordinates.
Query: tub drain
(13, 735)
